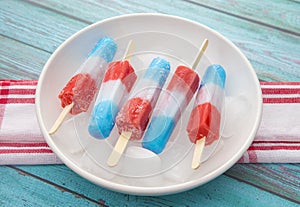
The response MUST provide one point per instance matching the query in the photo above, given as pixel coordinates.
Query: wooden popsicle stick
(199, 146)
(200, 53)
(128, 50)
(61, 118)
(118, 149)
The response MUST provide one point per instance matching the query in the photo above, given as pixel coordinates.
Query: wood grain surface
(267, 32)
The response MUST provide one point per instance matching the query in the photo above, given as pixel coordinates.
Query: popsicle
(204, 123)
(116, 85)
(133, 118)
(78, 93)
(172, 104)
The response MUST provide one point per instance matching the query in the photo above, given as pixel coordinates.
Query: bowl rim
(164, 190)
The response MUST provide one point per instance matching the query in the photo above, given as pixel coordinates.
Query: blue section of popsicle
(105, 48)
(158, 133)
(103, 119)
(158, 70)
(214, 74)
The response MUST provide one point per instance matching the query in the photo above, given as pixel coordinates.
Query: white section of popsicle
(175, 99)
(112, 85)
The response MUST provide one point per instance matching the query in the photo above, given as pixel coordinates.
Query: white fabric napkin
(21, 141)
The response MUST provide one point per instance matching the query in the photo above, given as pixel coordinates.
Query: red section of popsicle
(137, 112)
(121, 70)
(186, 80)
(204, 122)
(80, 90)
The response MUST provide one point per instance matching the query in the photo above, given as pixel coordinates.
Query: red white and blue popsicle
(205, 120)
(134, 116)
(116, 85)
(79, 92)
(172, 104)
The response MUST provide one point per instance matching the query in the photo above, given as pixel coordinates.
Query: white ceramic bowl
(177, 40)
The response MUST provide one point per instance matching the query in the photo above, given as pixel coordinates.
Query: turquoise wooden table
(267, 32)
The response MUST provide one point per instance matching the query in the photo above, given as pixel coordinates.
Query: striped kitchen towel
(278, 137)
(21, 141)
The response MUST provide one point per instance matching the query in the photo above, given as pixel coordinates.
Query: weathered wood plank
(94, 10)
(222, 191)
(262, 45)
(21, 189)
(278, 14)
(280, 179)
(19, 61)
(38, 27)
